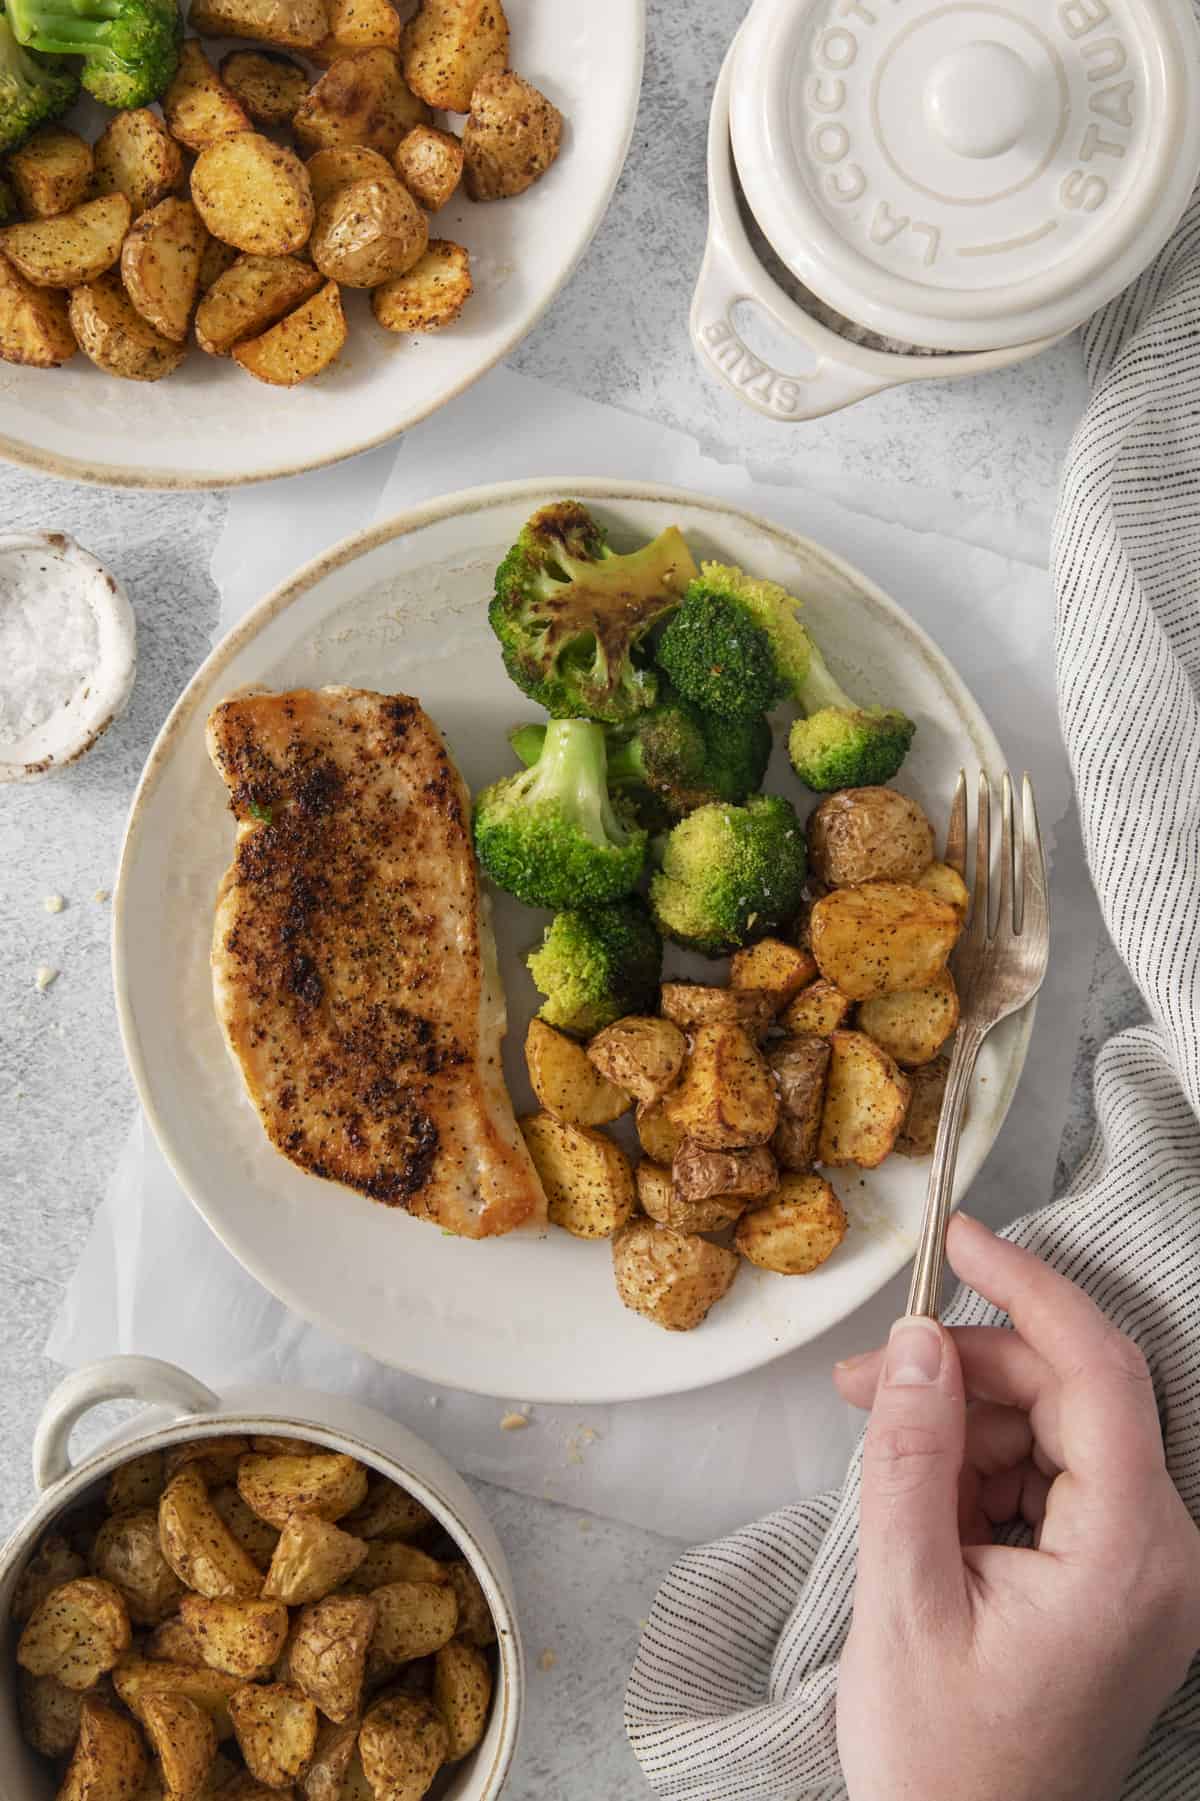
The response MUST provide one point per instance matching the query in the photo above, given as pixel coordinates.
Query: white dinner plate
(211, 425)
(404, 607)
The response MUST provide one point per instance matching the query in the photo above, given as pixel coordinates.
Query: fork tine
(981, 902)
(956, 830)
(1035, 917)
(1006, 916)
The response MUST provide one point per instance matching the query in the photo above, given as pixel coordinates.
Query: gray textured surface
(997, 443)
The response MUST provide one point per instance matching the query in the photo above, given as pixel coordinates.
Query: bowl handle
(113, 1379)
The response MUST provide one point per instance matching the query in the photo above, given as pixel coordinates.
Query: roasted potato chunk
(49, 1713)
(53, 1563)
(242, 1638)
(512, 136)
(726, 1100)
(449, 45)
(254, 194)
(391, 1560)
(137, 1680)
(565, 1082)
(692, 1004)
(913, 1026)
(462, 1694)
(882, 938)
(51, 171)
(587, 1178)
(328, 1652)
(252, 295)
(866, 1099)
(267, 85)
(71, 248)
(643, 1056)
(868, 835)
(312, 1558)
(948, 885)
(817, 1011)
(657, 1132)
(656, 1192)
(475, 1622)
(160, 265)
(361, 99)
(341, 164)
(672, 1278)
(293, 24)
(216, 259)
(431, 295)
(257, 1538)
(403, 1744)
(321, 1485)
(301, 345)
(172, 1642)
(199, 1546)
(276, 1730)
(367, 232)
(430, 164)
(270, 1445)
(76, 1633)
(136, 155)
(415, 1619)
(184, 1742)
(918, 1135)
(127, 1553)
(136, 1484)
(796, 1230)
(198, 107)
(773, 967)
(109, 1761)
(799, 1065)
(388, 1512)
(358, 25)
(245, 1787)
(325, 1775)
(699, 1176)
(214, 1459)
(113, 334)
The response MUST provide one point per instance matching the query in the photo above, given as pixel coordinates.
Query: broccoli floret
(730, 875)
(130, 48)
(31, 94)
(551, 835)
(735, 646)
(839, 744)
(595, 964)
(572, 617)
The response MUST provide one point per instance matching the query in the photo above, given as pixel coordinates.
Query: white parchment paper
(153, 1279)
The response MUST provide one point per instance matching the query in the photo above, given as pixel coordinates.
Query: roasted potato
(341, 164)
(388, 1512)
(449, 45)
(643, 1056)
(328, 1652)
(726, 1099)
(267, 85)
(138, 1483)
(462, 1694)
(587, 1178)
(430, 164)
(566, 1084)
(817, 1011)
(113, 334)
(198, 107)
(692, 1004)
(127, 1553)
(172, 1642)
(254, 194)
(76, 1633)
(799, 1065)
(656, 1192)
(699, 1176)
(138, 1679)
(475, 1622)
(136, 155)
(796, 1230)
(657, 1132)
(325, 1775)
(322, 1485)
(357, 25)
(252, 295)
(918, 1135)
(271, 1445)
(216, 259)
(276, 1730)
(160, 265)
(198, 1544)
(882, 938)
(868, 835)
(109, 1760)
(53, 1563)
(512, 136)
(301, 345)
(257, 1538)
(948, 885)
(49, 1713)
(391, 1560)
(431, 295)
(367, 232)
(242, 1638)
(311, 1559)
(866, 1098)
(912, 1026)
(245, 1787)
(361, 99)
(292, 24)
(415, 1619)
(71, 248)
(403, 1744)
(184, 1742)
(778, 969)
(672, 1278)
(51, 171)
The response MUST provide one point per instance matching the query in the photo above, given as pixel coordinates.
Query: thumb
(909, 1555)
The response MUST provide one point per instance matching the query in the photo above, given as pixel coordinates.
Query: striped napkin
(734, 1689)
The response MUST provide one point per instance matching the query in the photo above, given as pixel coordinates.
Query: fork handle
(925, 1294)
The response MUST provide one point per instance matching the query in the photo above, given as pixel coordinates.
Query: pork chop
(354, 969)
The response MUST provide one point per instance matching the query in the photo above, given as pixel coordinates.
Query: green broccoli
(130, 48)
(839, 744)
(32, 93)
(595, 964)
(735, 646)
(572, 617)
(551, 835)
(730, 875)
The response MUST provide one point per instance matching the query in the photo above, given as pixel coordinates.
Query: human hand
(982, 1672)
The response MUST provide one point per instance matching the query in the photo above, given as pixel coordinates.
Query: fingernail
(914, 1354)
(852, 1363)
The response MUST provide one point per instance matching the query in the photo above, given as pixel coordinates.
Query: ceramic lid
(967, 174)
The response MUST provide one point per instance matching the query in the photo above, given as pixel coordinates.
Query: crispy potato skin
(49, 1713)
(137, 1679)
(357, 25)
(671, 1278)
(657, 1132)
(726, 1099)
(566, 1084)
(51, 171)
(948, 885)
(254, 194)
(321, 1484)
(361, 99)
(160, 265)
(797, 1230)
(76, 1633)
(403, 1743)
(128, 1554)
(868, 835)
(112, 333)
(735, 1177)
(266, 84)
(240, 1638)
(53, 1563)
(184, 1741)
(367, 232)
(198, 1544)
(512, 136)
(462, 1694)
(340, 164)
(866, 1099)
(258, 1538)
(35, 326)
(430, 295)
(312, 1558)
(817, 1010)
(173, 1643)
(693, 1004)
(276, 1730)
(643, 1056)
(414, 1619)
(587, 1178)
(109, 1762)
(199, 109)
(656, 1192)
(778, 969)
(138, 1483)
(327, 1655)
(249, 297)
(301, 345)
(292, 24)
(450, 45)
(912, 1026)
(800, 1065)
(388, 1512)
(475, 1622)
(136, 155)
(72, 247)
(214, 1459)
(882, 937)
(918, 1134)
(430, 164)
(391, 1560)
(336, 1746)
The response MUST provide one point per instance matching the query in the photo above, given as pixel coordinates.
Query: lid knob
(980, 98)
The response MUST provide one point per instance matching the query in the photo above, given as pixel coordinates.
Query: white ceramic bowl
(184, 1409)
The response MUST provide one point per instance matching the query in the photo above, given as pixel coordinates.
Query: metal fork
(998, 971)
